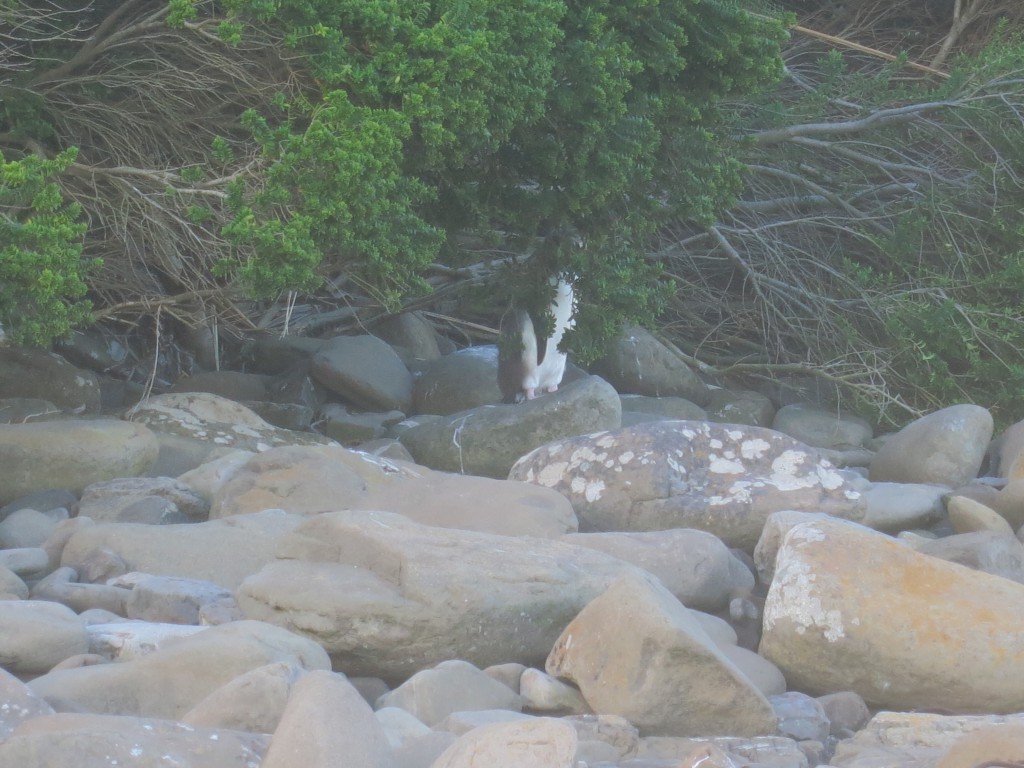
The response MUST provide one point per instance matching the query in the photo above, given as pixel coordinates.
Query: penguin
(528, 365)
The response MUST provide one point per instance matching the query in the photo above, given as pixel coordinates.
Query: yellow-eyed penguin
(528, 365)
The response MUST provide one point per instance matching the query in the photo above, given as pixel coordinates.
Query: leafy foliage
(42, 275)
(431, 120)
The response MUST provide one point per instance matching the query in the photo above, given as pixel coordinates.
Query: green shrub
(42, 274)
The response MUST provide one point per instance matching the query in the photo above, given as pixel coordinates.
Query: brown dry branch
(768, 291)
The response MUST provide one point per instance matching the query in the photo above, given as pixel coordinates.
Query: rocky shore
(348, 555)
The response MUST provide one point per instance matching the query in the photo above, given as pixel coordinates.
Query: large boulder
(946, 447)
(39, 634)
(39, 374)
(71, 454)
(387, 597)
(640, 364)
(695, 566)
(488, 440)
(308, 480)
(193, 427)
(222, 551)
(87, 740)
(172, 680)
(724, 479)
(457, 382)
(366, 372)
(852, 609)
(657, 667)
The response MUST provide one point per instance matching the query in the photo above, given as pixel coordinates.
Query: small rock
(25, 528)
(969, 516)
(113, 500)
(172, 599)
(800, 717)
(458, 382)
(846, 712)
(543, 694)
(540, 742)
(695, 565)
(432, 694)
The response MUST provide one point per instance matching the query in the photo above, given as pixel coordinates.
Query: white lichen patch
(604, 440)
(715, 443)
(587, 455)
(551, 475)
(792, 596)
(734, 435)
(723, 465)
(829, 478)
(591, 490)
(754, 448)
(675, 466)
(626, 457)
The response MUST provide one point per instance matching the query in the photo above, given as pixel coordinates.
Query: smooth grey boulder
(658, 668)
(945, 447)
(312, 479)
(822, 428)
(254, 701)
(488, 440)
(743, 406)
(695, 566)
(327, 723)
(232, 385)
(113, 500)
(365, 371)
(387, 597)
(36, 373)
(35, 635)
(539, 742)
(411, 334)
(222, 551)
(458, 382)
(175, 678)
(719, 478)
(19, 704)
(640, 364)
(172, 599)
(639, 408)
(452, 686)
(71, 454)
(86, 740)
(26, 528)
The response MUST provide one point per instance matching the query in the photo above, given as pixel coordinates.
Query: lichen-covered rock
(852, 609)
(724, 479)
(191, 426)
